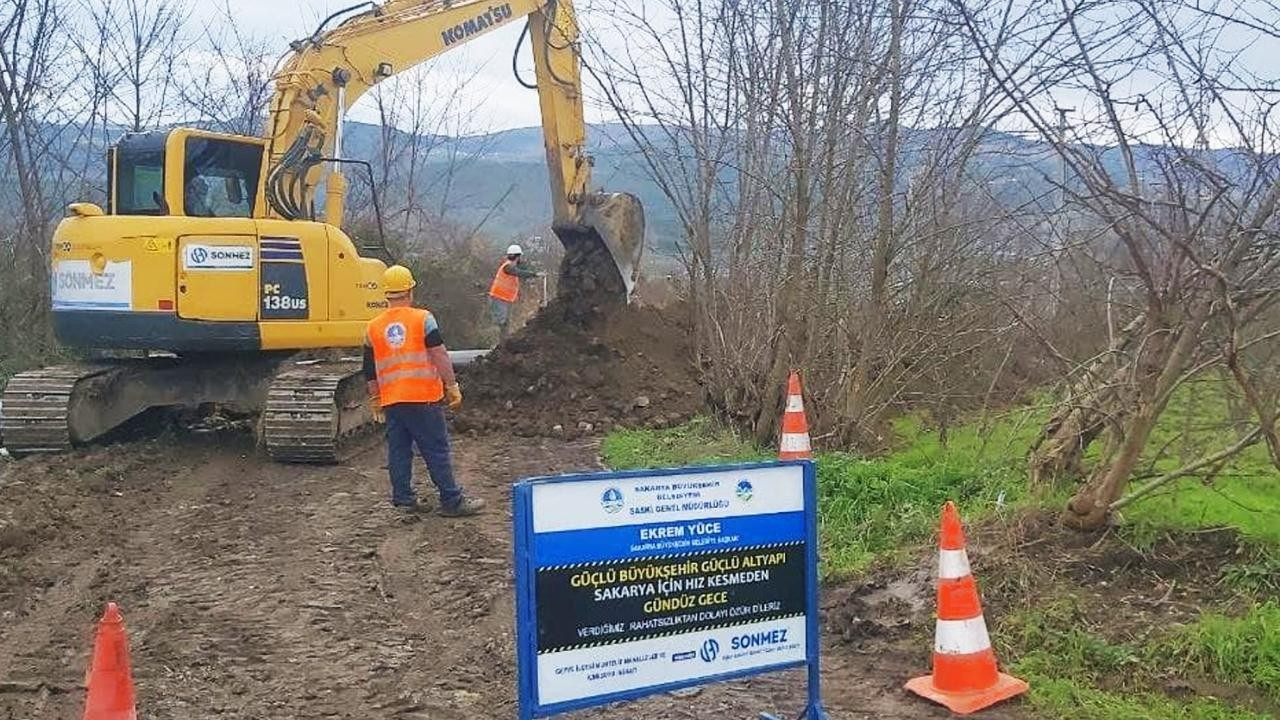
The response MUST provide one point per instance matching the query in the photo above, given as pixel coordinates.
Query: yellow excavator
(210, 259)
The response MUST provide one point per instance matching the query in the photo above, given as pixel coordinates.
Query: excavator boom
(329, 71)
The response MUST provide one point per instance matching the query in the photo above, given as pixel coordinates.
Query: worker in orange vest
(506, 287)
(410, 378)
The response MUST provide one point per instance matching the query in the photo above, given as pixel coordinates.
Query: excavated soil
(258, 591)
(570, 373)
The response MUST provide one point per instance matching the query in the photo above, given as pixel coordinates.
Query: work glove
(453, 394)
(375, 408)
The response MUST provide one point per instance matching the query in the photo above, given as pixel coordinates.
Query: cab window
(139, 182)
(220, 177)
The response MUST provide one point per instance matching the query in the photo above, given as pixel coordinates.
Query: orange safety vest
(405, 372)
(505, 287)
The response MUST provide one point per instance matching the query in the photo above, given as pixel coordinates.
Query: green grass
(701, 441)
(869, 508)
(1067, 665)
(872, 506)
(1244, 496)
(1072, 700)
(1241, 651)
(1257, 575)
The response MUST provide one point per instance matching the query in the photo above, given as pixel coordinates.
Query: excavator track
(37, 407)
(314, 412)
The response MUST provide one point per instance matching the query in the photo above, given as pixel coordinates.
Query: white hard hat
(515, 250)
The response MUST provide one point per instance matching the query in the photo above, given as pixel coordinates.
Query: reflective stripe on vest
(406, 373)
(505, 287)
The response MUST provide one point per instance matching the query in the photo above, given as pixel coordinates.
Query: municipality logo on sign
(395, 334)
(745, 491)
(611, 500)
(710, 650)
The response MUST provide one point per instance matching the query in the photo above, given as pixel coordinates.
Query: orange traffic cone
(794, 443)
(965, 677)
(110, 681)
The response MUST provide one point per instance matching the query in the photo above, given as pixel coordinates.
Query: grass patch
(1054, 641)
(1204, 416)
(872, 509)
(868, 508)
(700, 441)
(1075, 673)
(1241, 651)
(1058, 698)
(1247, 502)
(1258, 576)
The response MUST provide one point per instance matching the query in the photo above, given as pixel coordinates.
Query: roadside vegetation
(1220, 661)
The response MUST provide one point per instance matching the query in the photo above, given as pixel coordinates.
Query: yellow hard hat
(398, 279)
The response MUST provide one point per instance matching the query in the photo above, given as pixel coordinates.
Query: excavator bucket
(618, 218)
(602, 252)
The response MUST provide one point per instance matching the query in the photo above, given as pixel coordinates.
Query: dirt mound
(569, 373)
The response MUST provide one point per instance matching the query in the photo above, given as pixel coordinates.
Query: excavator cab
(185, 172)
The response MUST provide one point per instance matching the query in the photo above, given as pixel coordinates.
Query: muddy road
(260, 591)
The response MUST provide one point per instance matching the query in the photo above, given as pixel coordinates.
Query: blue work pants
(423, 425)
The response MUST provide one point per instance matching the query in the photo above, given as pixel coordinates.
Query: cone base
(1006, 687)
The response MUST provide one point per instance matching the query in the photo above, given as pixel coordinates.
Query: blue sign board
(630, 584)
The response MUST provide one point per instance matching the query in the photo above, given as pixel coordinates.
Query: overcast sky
(485, 64)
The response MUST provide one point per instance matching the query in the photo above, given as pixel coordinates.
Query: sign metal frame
(526, 608)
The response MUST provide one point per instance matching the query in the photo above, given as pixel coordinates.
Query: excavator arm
(325, 75)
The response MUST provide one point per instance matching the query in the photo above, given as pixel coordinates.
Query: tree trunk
(1095, 398)
(1091, 505)
(857, 400)
(1154, 385)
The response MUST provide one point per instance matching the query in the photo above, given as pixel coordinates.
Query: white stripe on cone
(794, 442)
(795, 403)
(961, 637)
(953, 564)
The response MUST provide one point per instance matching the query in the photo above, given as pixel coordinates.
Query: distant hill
(501, 178)
(505, 177)
(500, 184)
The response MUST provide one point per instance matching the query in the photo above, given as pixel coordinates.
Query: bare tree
(227, 77)
(429, 130)
(822, 161)
(145, 39)
(1189, 229)
(27, 45)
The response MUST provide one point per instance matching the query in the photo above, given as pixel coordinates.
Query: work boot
(465, 507)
